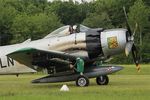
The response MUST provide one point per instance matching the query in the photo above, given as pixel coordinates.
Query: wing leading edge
(25, 55)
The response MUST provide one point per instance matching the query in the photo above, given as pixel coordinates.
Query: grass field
(124, 85)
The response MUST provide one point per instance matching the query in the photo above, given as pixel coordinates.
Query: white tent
(64, 88)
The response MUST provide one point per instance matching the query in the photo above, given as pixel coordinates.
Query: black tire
(102, 80)
(82, 81)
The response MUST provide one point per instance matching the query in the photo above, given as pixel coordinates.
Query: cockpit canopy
(64, 30)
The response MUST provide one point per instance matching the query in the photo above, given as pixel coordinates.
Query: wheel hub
(102, 79)
(82, 82)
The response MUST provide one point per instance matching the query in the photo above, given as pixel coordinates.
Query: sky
(74, 0)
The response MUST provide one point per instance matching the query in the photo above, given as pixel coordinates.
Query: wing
(26, 55)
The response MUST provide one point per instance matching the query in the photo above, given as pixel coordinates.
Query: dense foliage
(23, 19)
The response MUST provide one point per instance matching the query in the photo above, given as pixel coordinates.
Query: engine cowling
(113, 41)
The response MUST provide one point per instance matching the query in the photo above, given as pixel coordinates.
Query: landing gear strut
(102, 80)
(82, 81)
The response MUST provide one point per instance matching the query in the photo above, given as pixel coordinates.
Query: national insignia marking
(112, 42)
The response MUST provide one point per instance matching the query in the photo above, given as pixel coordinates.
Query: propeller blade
(127, 24)
(136, 26)
(128, 47)
(135, 57)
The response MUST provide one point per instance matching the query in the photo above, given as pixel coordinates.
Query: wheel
(82, 81)
(102, 80)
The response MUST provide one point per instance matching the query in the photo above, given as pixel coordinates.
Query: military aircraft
(60, 51)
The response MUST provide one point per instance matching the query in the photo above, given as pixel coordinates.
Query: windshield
(62, 31)
(83, 28)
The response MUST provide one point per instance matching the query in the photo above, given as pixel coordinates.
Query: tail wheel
(102, 80)
(82, 81)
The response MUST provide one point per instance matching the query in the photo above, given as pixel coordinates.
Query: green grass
(131, 70)
(135, 86)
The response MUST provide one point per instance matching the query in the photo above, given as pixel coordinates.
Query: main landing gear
(83, 81)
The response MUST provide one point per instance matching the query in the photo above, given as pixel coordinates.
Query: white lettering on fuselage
(6, 62)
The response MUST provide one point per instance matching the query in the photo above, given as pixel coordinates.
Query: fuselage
(60, 43)
(88, 45)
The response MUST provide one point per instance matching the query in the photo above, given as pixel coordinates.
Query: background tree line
(23, 19)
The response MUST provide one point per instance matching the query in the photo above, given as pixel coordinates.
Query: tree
(139, 13)
(35, 26)
(114, 9)
(32, 9)
(69, 12)
(98, 20)
(7, 14)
